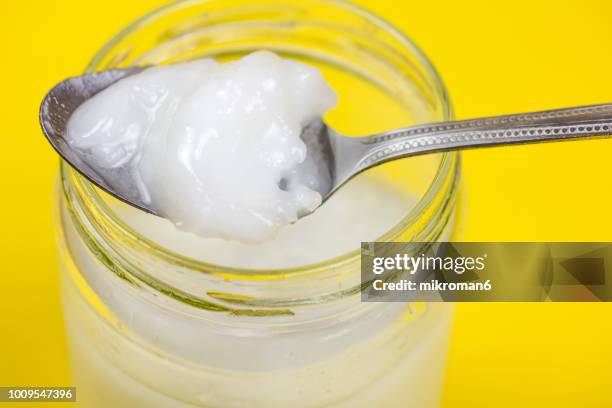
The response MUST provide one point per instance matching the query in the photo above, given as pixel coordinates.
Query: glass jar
(150, 326)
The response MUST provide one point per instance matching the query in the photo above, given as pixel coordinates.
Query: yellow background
(495, 57)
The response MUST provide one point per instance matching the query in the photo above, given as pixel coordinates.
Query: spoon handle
(544, 126)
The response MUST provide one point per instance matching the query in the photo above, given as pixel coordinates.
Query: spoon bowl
(57, 108)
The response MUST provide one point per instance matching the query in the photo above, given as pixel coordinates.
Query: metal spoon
(339, 158)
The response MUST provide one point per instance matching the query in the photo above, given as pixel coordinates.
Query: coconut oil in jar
(161, 318)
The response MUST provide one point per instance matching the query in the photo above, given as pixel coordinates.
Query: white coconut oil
(138, 347)
(214, 147)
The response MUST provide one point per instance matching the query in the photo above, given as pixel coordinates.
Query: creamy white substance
(340, 354)
(213, 147)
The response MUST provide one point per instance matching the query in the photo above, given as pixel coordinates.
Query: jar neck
(144, 264)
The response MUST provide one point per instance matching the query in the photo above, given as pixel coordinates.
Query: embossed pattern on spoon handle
(551, 125)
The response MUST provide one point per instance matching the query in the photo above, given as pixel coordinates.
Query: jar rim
(448, 165)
